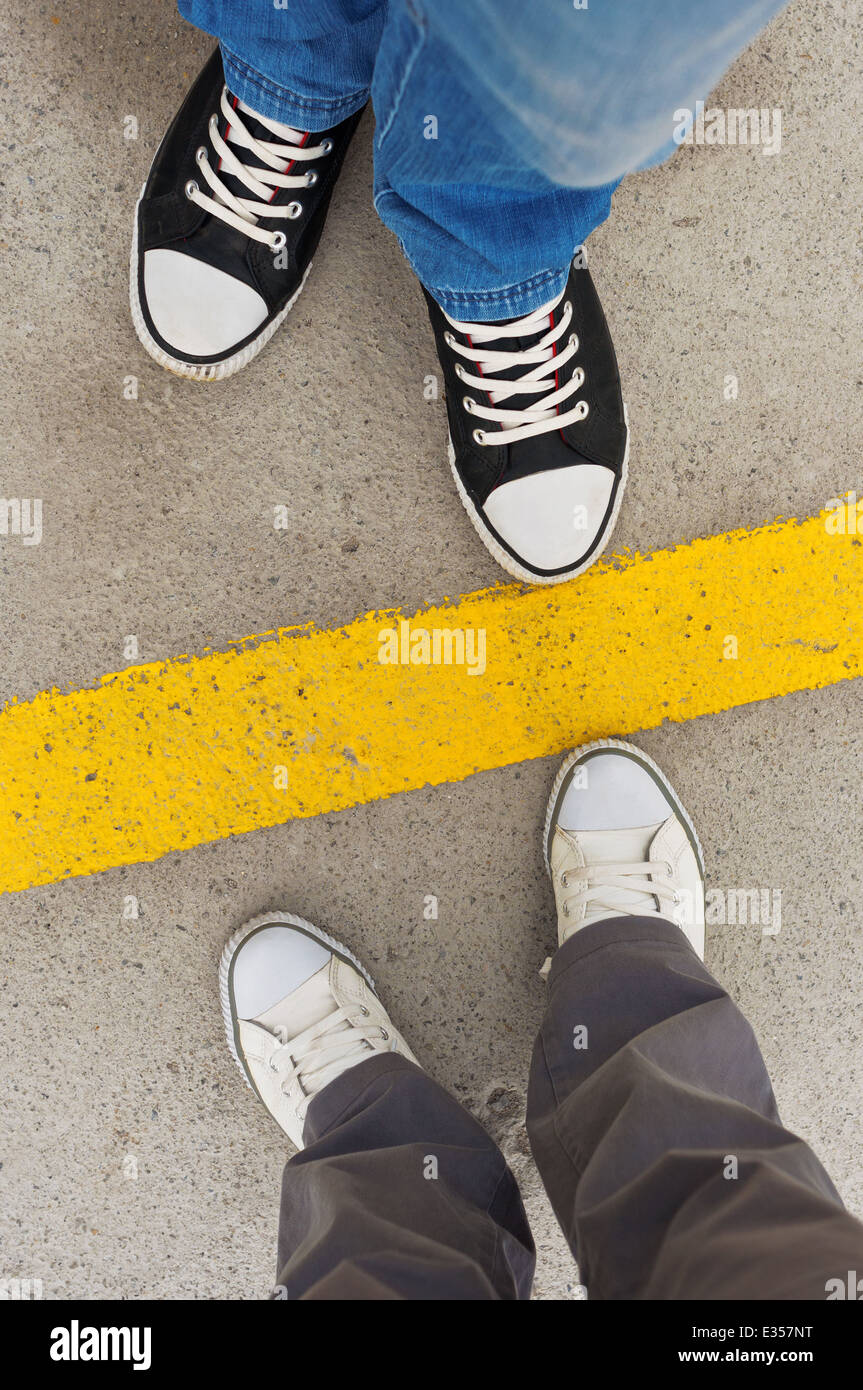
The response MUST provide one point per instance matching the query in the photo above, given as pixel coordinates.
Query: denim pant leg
(502, 128)
(308, 63)
(653, 1124)
(399, 1194)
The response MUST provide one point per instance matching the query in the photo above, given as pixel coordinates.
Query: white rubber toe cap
(198, 310)
(550, 520)
(617, 793)
(271, 964)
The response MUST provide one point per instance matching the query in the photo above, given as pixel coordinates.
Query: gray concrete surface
(158, 522)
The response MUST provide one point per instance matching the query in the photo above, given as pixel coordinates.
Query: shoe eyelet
(327, 146)
(479, 436)
(384, 1034)
(564, 881)
(364, 1011)
(584, 408)
(676, 899)
(449, 339)
(278, 240)
(201, 153)
(214, 121)
(191, 189)
(469, 404)
(294, 210)
(565, 910)
(311, 178)
(573, 341)
(459, 371)
(568, 306)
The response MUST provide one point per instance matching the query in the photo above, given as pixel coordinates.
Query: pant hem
(616, 931)
(280, 103)
(513, 301)
(347, 1090)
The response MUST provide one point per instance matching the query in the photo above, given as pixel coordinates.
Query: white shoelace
(322, 1051)
(600, 882)
(540, 417)
(277, 155)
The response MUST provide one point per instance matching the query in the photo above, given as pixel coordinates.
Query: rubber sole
(197, 371)
(233, 945)
(503, 557)
(576, 756)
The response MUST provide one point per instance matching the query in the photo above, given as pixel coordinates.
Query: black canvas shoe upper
(167, 219)
(593, 443)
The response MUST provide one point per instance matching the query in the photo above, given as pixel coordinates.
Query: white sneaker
(299, 1010)
(618, 841)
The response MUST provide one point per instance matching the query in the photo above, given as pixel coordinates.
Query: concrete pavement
(135, 1164)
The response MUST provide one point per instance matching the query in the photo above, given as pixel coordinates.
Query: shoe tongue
(309, 1004)
(544, 309)
(507, 343)
(273, 131)
(618, 847)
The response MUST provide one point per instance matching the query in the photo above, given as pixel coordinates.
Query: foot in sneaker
(225, 229)
(538, 433)
(299, 1011)
(618, 841)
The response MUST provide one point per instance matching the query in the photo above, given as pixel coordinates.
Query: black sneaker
(538, 430)
(225, 229)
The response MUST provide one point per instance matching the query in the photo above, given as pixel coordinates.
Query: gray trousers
(654, 1128)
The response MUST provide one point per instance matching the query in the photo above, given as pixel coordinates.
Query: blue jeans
(503, 126)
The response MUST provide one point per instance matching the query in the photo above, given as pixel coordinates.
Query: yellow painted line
(164, 756)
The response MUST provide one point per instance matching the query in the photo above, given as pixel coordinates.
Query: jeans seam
(271, 88)
(410, 64)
